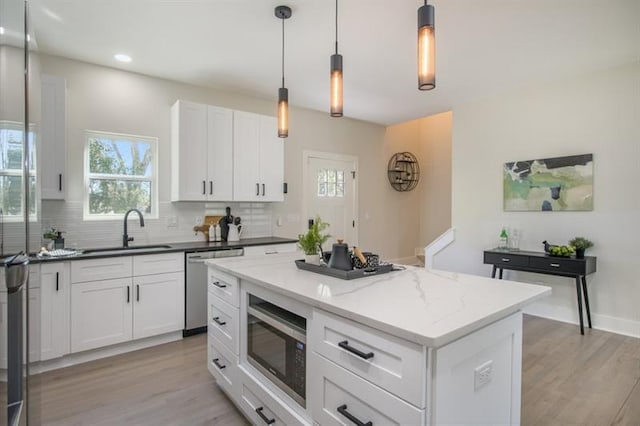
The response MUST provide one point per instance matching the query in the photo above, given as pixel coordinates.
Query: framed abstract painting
(549, 184)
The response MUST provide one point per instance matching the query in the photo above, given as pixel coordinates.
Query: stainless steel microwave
(277, 346)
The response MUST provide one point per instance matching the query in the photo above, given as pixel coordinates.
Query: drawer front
(506, 259)
(224, 286)
(150, 264)
(222, 322)
(223, 365)
(101, 269)
(270, 249)
(396, 365)
(342, 398)
(557, 264)
(261, 407)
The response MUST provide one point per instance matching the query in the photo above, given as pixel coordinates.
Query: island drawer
(557, 264)
(223, 365)
(158, 263)
(224, 286)
(222, 322)
(342, 398)
(394, 364)
(505, 259)
(101, 269)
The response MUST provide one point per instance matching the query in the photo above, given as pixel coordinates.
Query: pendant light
(426, 47)
(283, 12)
(335, 96)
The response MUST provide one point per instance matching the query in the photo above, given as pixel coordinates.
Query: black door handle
(57, 281)
(343, 410)
(257, 189)
(60, 182)
(204, 187)
(263, 417)
(217, 284)
(217, 321)
(263, 189)
(128, 294)
(220, 366)
(345, 345)
(210, 187)
(137, 292)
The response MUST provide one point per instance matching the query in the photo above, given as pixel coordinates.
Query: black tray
(345, 275)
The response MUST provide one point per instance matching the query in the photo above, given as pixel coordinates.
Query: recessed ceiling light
(122, 57)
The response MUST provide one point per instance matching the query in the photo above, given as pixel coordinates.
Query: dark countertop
(192, 246)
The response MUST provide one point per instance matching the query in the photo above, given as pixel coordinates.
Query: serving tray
(345, 275)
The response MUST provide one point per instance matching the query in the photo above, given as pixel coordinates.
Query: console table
(542, 263)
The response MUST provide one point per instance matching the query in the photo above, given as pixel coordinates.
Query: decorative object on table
(311, 242)
(224, 224)
(55, 237)
(550, 184)
(345, 275)
(340, 257)
(581, 244)
(504, 239)
(235, 230)
(403, 171)
(558, 250)
(365, 260)
(206, 227)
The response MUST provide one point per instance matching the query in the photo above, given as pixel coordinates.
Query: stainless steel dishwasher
(195, 301)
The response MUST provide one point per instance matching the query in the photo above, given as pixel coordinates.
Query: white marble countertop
(427, 307)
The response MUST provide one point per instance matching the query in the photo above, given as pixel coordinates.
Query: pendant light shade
(283, 12)
(426, 47)
(335, 95)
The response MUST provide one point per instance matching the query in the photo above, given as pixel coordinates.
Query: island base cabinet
(223, 365)
(101, 313)
(158, 304)
(339, 397)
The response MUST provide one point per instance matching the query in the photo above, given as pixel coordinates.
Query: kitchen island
(408, 347)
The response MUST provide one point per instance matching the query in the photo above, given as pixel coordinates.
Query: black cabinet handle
(137, 292)
(343, 410)
(217, 321)
(210, 187)
(220, 366)
(345, 345)
(257, 189)
(128, 294)
(263, 417)
(217, 284)
(263, 189)
(57, 281)
(60, 182)
(204, 187)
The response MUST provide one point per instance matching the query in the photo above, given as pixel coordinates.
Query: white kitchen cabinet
(101, 313)
(54, 310)
(159, 304)
(52, 152)
(258, 160)
(202, 152)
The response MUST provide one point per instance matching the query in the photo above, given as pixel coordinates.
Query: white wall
(597, 113)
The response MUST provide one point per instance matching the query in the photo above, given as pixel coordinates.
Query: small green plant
(50, 234)
(311, 241)
(581, 243)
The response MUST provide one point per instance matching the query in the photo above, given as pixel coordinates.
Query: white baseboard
(616, 325)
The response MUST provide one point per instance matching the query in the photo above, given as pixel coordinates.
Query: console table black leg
(579, 291)
(586, 299)
(501, 272)
(493, 273)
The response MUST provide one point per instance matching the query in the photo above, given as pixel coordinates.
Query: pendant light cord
(282, 18)
(337, 27)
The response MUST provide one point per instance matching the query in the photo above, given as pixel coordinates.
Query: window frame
(87, 175)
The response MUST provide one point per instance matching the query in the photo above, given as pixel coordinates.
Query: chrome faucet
(125, 237)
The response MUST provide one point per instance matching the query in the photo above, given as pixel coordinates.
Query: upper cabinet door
(52, 154)
(189, 180)
(246, 157)
(220, 154)
(271, 161)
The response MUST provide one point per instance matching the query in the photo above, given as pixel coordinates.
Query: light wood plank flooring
(568, 379)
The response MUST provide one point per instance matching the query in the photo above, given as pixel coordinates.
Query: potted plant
(50, 234)
(581, 244)
(311, 241)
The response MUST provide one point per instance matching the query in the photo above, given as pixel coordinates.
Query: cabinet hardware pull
(345, 345)
(57, 281)
(555, 265)
(128, 294)
(257, 189)
(263, 189)
(60, 182)
(210, 187)
(204, 187)
(137, 292)
(504, 259)
(217, 284)
(263, 417)
(343, 410)
(220, 366)
(217, 321)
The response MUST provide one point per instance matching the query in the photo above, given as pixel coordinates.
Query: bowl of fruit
(558, 250)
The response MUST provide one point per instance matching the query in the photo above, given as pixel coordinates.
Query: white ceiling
(483, 46)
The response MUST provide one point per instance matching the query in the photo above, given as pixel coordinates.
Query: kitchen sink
(124, 249)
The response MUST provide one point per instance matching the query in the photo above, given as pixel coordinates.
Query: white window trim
(155, 204)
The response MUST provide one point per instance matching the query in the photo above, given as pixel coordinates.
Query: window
(11, 160)
(330, 183)
(120, 174)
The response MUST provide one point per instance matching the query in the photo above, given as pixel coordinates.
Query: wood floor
(568, 379)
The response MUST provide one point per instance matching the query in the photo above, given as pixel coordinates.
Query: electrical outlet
(483, 374)
(172, 222)
(198, 221)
